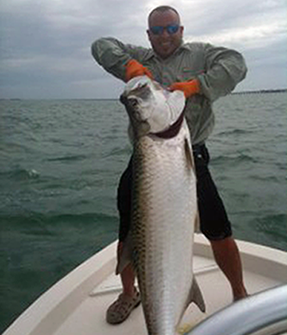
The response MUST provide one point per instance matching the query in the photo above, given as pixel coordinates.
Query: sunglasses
(171, 29)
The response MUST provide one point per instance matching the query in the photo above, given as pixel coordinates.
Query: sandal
(122, 308)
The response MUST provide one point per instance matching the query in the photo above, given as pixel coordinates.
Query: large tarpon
(164, 205)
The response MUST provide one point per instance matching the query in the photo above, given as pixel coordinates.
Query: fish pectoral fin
(125, 257)
(195, 296)
(188, 154)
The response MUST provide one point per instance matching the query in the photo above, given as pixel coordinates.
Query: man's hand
(134, 69)
(189, 88)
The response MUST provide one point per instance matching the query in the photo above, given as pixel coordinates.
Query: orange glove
(189, 88)
(134, 69)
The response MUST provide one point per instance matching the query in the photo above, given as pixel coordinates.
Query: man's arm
(113, 55)
(225, 68)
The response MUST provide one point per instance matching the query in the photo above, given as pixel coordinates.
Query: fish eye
(133, 102)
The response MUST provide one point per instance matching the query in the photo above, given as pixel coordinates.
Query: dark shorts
(214, 223)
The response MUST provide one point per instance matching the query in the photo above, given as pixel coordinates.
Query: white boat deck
(77, 304)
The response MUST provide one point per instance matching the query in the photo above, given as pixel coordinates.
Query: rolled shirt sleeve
(113, 55)
(225, 68)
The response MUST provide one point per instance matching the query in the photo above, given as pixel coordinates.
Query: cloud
(45, 45)
(250, 37)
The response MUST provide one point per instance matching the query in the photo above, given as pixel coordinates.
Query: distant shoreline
(283, 90)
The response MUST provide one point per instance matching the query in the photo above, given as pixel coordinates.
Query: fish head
(150, 107)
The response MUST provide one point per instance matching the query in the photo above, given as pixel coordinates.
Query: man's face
(165, 44)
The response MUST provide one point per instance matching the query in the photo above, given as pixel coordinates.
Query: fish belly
(163, 214)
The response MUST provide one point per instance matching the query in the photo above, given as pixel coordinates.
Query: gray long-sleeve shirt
(218, 70)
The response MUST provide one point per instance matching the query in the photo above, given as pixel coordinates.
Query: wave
(70, 158)
(119, 151)
(20, 174)
(234, 132)
(264, 178)
(40, 224)
(233, 160)
(272, 225)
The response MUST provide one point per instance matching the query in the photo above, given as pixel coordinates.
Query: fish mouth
(124, 99)
(135, 99)
(131, 104)
(128, 101)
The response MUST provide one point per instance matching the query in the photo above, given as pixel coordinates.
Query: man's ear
(148, 33)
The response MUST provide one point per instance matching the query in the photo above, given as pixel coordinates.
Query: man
(204, 73)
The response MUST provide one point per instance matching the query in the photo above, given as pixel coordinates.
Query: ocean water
(60, 162)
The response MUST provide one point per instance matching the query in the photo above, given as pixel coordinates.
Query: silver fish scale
(163, 214)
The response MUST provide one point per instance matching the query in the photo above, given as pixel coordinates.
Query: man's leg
(120, 309)
(228, 259)
(124, 208)
(129, 299)
(215, 225)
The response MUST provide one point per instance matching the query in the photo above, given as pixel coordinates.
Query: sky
(45, 44)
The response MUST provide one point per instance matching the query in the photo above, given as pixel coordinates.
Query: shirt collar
(178, 50)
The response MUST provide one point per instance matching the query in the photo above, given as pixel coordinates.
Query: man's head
(164, 30)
